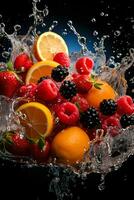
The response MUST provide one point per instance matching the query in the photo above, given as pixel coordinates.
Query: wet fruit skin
(47, 90)
(95, 96)
(22, 62)
(63, 59)
(84, 65)
(70, 145)
(17, 145)
(9, 83)
(68, 113)
(40, 154)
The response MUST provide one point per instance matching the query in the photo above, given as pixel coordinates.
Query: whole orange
(70, 145)
(95, 96)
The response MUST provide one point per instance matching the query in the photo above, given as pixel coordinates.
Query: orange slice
(38, 120)
(48, 44)
(39, 69)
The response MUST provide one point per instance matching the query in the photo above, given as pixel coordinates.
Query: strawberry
(22, 62)
(80, 102)
(27, 90)
(40, 150)
(82, 82)
(9, 83)
(63, 59)
(17, 144)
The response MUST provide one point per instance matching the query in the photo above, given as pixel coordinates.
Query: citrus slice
(39, 69)
(38, 120)
(48, 44)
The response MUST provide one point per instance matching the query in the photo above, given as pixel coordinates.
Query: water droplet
(65, 32)
(38, 32)
(43, 25)
(119, 55)
(95, 33)
(102, 14)
(54, 24)
(2, 25)
(117, 33)
(5, 54)
(17, 27)
(106, 15)
(0, 16)
(93, 20)
(70, 23)
(9, 49)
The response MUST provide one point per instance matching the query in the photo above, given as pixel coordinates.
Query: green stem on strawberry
(97, 85)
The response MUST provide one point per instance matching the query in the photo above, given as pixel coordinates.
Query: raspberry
(80, 102)
(90, 118)
(82, 83)
(68, 89)
(28, 90)
(125, 105)
(108, 107)
(110, 121)
(68, 113)
(63, 59)
(84, 65)
(126, 120)
(47, 90)
(59, 73)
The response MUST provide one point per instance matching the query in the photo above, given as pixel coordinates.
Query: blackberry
(59, 73)
(90, 118)
(126, 120)
(68, 89)
(43, 78)
(108, 107)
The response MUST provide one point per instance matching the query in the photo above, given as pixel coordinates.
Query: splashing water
(112, 151)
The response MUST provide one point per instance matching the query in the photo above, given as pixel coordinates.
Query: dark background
(31, 184)
(120, 18)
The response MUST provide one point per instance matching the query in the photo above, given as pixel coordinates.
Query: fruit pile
(64, 108)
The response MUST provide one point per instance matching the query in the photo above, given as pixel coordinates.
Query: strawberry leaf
(97, 85)
(92, 77)
(41, 143)
(77, 104)
(10, 65)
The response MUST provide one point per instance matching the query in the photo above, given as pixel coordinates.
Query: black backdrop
(31, 184)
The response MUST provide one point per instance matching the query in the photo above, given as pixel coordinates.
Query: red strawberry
(82, 82)
(62, 58)
(22, 62)
(17, 144)
(9, 83)
(40, 151)
(84, 65)
(80, 102)
(28, 90)
(47, 90)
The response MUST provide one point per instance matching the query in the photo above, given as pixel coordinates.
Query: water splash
(81, 39)
(109, 153)
(54, 24)
(38, 16)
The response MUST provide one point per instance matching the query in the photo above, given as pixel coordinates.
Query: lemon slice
(48, 44)
(38, 120)
(39, 69)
